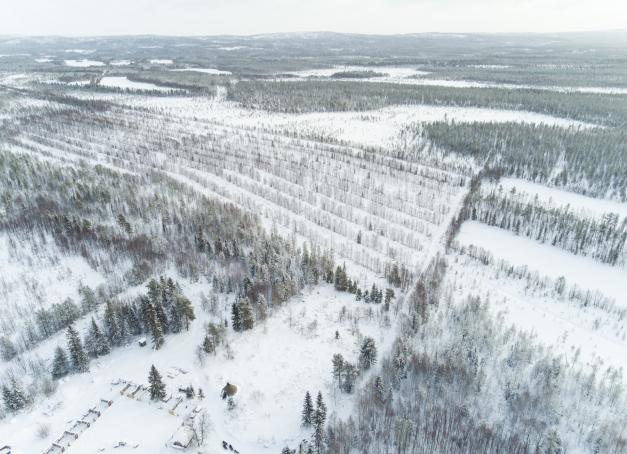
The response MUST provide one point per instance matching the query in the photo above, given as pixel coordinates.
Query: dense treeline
(602, 239)
(334, 96)
(588, 161)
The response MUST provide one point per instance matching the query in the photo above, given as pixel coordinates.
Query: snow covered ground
(126, 84)
(390, 73)
(379, 128)
(558, 197)
(411, 76)
(212, 71)
(157, 61)
(547, 260)
(83, 63)
(273, 366)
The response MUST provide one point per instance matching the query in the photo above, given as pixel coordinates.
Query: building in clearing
(182, 438)
(229, 390)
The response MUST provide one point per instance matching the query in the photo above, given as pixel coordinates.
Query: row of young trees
(343, 283)
(602, 239)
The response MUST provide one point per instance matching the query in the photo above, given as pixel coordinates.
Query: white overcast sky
(209, 17)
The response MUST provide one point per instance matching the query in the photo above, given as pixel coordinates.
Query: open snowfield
(547, 260)
(378, 128)
(212, 71)
(273, 366)
(126, 84)
(83, 63)
(558, 197)
(390, 73)
(159, 61)
(412, 76)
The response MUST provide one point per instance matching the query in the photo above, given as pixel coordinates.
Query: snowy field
(83, 63)
(411, 76)
(378, 128)
(125, 84)
(547, 260)
(273, 366)
(212, 71)
(158, 61)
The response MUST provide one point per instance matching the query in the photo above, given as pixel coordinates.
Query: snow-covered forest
(259, 245)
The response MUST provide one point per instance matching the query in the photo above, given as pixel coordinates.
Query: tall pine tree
(307, 414)
(60, 365)
(78, 357)
(157, 388)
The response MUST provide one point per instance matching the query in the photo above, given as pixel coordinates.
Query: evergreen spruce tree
(319, 420)
(157, 388)
(236, 320)
(7, 398)
(7, 349)
(111, 325)
(338, 365)
(95, 342)
(60, 365)
(14, 396)
(349, 375)
(207, 345)
(78, 357)
(89, 302)
(186, 310)
(307, 414)
(155, 327)
(162, 317)
(367, 353)
(379, 390)
(246, 315)
(174, 319)
(133, 322)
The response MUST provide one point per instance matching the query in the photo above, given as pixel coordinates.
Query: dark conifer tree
(367, 353)
(320, 417)
(78, 357)
(60, 365)
(307, 414)
(155, 327)
(236, 320)
(157, 388)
